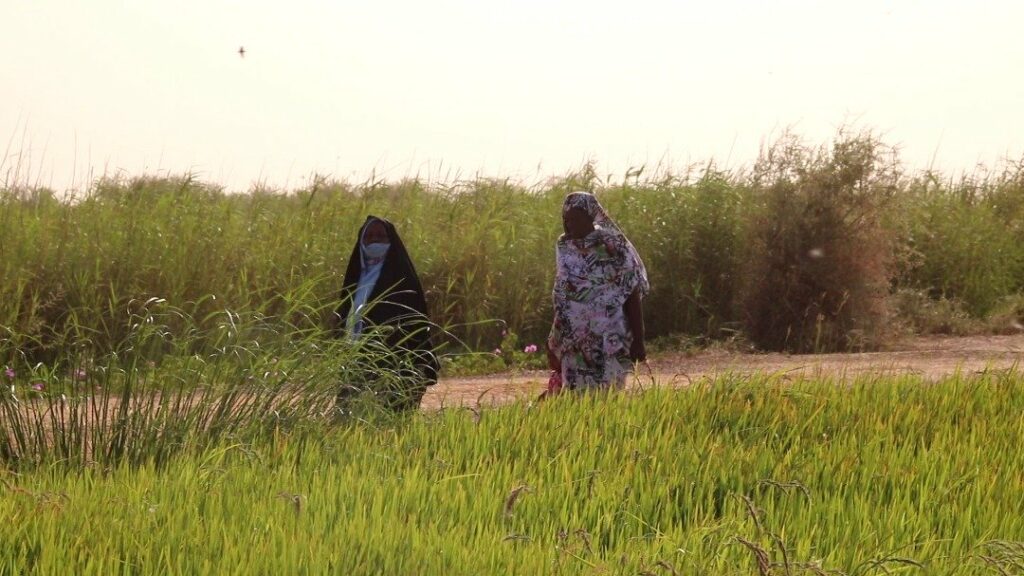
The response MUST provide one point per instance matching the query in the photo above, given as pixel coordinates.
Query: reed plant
(964, 237)
(484, 248)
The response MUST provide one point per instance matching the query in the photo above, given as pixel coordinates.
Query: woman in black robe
(382, 299)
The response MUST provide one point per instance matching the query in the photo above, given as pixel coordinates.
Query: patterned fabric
(595, 276)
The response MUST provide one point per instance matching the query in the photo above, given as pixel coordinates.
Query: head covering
(395, 297)
(366, 259)
(588, 203)
(606, 232)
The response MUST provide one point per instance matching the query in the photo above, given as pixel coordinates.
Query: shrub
(819, 259)
(922, 314)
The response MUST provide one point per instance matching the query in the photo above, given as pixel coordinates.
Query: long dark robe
(396, 301)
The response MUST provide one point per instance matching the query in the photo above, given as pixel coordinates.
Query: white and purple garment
(595, 276)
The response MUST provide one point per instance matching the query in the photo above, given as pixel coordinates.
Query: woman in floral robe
(600, 281)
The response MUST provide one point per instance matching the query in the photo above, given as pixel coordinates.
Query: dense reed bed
(811, 249)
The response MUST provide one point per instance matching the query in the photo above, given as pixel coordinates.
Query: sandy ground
(931, 358)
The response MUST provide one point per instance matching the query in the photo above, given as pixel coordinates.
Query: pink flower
(496, 352)
(79, 374)
(10, 373)
(37, 386)
(530, 349)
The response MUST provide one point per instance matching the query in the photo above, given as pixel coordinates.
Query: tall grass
(176, 384)
(484, 248)
(965, 236)
(732, 476)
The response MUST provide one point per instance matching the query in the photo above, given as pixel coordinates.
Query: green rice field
(732, 476)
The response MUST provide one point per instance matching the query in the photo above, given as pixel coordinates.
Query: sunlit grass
(879, 476)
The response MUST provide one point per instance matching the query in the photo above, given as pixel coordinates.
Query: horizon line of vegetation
(813, 248)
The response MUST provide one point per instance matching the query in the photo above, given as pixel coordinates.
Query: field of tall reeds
(811, 249)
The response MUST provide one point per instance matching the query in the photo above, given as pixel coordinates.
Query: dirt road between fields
(930, 358)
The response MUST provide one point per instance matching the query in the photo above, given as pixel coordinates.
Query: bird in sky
(241, 51)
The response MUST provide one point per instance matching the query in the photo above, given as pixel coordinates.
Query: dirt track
(931, 358)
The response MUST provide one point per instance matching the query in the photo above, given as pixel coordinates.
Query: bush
(922, 314)
(819, 259)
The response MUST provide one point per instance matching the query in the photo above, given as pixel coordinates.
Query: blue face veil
(371, 259)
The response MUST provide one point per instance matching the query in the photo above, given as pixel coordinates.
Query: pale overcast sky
(521, 88)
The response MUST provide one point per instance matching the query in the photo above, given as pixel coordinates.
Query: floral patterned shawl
(595, 276)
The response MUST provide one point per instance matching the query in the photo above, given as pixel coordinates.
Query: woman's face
(376, 233)
(577, 223)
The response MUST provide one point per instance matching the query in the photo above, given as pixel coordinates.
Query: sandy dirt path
(931, 358)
